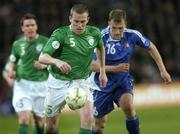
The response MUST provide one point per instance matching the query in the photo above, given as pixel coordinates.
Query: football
(76, 98)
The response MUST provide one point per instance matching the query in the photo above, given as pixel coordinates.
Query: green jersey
(76, 50)
(24, 54)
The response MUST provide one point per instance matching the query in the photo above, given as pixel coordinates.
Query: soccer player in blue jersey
(119, 43)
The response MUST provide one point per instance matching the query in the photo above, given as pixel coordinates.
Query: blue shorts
(104, 101)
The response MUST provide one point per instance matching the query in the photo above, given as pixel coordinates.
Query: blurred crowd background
(156, 19)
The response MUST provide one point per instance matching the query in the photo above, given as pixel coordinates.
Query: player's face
(29, 29)
(116, 29)
(78, 22)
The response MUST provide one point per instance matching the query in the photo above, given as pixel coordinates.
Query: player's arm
(101, 59)
(39, 65)
(11, 70)
(49, 60)
(7, 78)
(157, 58)
(52, 45)
(122, 67)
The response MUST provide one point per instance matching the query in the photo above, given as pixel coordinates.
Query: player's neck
(32, 38)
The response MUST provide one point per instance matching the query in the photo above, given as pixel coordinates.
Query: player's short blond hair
(79, 8)
(117, 15)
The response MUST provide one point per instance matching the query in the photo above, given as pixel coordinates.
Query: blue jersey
(120, 51)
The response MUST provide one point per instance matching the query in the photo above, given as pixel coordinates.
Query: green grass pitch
(159, 120)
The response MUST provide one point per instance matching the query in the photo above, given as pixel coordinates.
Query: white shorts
(57, 90)
(29, 96)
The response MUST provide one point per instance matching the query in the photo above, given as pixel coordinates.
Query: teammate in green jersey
(30, 76)
(69, 52)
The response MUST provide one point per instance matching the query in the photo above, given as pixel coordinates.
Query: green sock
(38, 130)
(23, 129)
(85, 131)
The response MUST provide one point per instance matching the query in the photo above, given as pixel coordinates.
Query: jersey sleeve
(140, 40)
(53, 43)
(100, 41)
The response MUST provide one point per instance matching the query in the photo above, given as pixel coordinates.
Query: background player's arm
(7, 78)
(11, 70)
(122, 67)
(157, 58)
(49, 60)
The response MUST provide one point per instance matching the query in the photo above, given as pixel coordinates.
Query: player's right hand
(166, 77)
(122, 67)
(63, 66)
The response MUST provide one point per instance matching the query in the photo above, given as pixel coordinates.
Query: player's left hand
(103, 79)
(166, 77)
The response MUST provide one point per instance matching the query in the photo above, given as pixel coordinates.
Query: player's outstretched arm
(48, 60)
(157, 58)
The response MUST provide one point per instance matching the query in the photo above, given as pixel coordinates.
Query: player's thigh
(86, 112)
(124, 93)
(103, 103)
(22, 100)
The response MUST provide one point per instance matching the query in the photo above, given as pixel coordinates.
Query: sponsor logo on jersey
(55, 44)
(90, 40)
(39, 47)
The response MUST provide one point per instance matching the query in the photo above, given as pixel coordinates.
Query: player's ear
(22, 28)
(70, 18)
(88, 19)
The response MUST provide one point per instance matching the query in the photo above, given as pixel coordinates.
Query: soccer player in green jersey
(69, 52)
(30, 76)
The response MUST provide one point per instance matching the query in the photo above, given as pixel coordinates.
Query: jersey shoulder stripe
(132, 31)
(105, 31)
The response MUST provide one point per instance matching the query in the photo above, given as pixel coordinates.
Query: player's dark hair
(117, 15)
(26, 17)
(79, 8)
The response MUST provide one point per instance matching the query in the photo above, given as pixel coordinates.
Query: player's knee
(50, 129)
(23, 120)
(98, 127)
(127, 107)
(50, 126)
(86, 121)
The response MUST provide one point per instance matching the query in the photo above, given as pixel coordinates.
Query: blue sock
(93, 132)
(132, 125)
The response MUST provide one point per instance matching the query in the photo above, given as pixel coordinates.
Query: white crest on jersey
(90, 40)
(39, 47)
(55, 44)
(12, 58)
